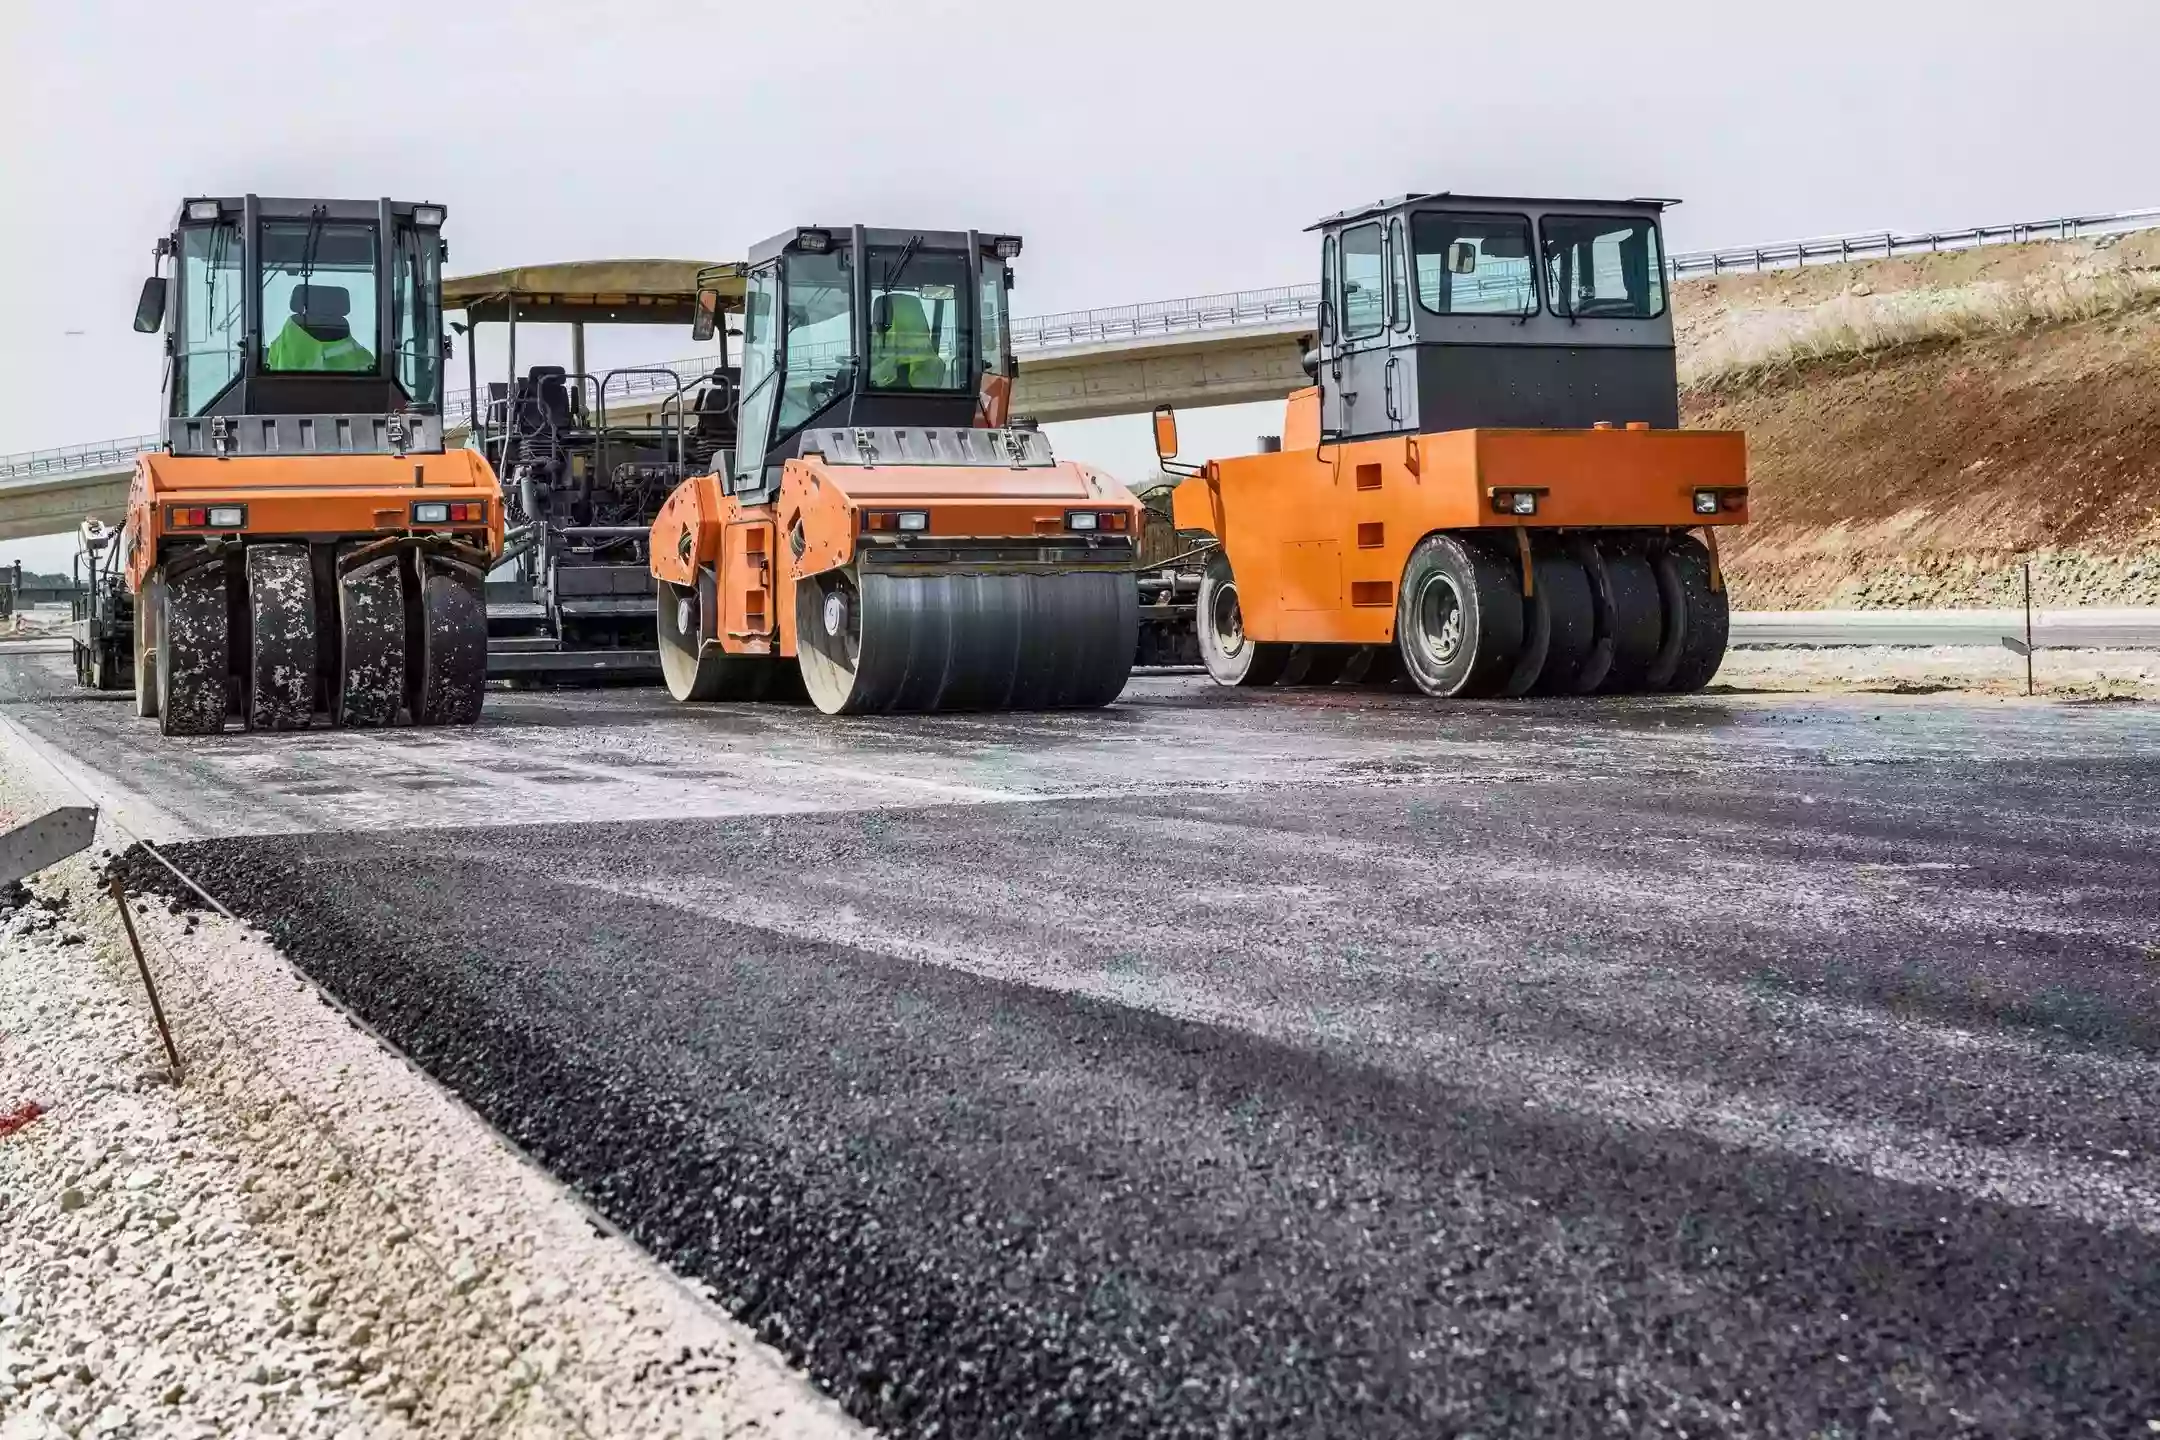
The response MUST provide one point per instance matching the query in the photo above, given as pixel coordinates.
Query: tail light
(206, 517)
(449, 512)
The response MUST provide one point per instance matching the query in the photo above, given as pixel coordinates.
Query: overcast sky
(1145, 150)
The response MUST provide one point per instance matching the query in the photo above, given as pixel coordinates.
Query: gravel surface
(305, 1237)
(1795, 1090)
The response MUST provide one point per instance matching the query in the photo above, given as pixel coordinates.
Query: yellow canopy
(597, 292)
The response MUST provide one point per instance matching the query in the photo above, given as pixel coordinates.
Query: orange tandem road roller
(883, 532)
(1487, 487)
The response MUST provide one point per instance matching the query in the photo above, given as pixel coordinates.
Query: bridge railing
(1237, 309)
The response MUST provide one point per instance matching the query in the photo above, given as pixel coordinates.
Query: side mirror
(449, 347)
(1462, 258)
(707, 320)
(150, 309)
(1166, 446)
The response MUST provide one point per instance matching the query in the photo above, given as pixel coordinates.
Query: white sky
(1145, 148)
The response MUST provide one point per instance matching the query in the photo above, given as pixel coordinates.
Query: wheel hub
(1227, 620)
(1440, 619)
(836, 614)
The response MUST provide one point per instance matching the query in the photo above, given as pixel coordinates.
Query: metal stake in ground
(119, 895)
(2028, 628)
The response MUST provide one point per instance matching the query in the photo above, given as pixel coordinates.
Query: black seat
(324, 311)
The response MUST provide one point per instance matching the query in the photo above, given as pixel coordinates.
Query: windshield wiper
(893, 271)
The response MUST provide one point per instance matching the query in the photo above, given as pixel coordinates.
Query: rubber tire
(1489, 596)
(1234, 660)
(1313, 664)
(367, 686)
(449, 681)
(194, 657)
(147, 601)
(1698, 618)
(281, 638)
(695, 670)
(1563, 592)
(919, 643)
(1631, 615)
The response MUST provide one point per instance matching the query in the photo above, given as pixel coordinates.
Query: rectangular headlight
(1524, 503)
(202, 210)
(814, 242)
(430, 512)
(1706, 502)
(427, 216)
(1007, 247)
(1080, 519)
(227, 517)
(915, 520)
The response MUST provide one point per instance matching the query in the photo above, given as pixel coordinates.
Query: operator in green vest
(904, 354)
(318, 335)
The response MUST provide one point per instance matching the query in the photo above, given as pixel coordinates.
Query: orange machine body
(311, 496)
(1318, 533)
(827, 515)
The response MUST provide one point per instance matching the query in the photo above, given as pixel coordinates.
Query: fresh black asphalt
(1793, 1091)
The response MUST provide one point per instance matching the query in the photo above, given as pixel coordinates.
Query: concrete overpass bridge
(1208, 350)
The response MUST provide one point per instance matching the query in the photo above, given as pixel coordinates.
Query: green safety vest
(295, 349)
(907, 352)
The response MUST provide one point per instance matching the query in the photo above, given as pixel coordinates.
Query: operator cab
(858, 327)
(1454, 312)
(300, 326)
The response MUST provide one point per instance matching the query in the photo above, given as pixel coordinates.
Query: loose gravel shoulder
(304, 1237)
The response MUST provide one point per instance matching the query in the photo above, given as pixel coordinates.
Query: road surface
(1292, 1063)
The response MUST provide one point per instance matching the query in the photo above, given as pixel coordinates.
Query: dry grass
(1865, 325)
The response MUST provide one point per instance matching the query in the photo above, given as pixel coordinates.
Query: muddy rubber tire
(281, 638)
(1631, 617)
(1315, 664)
(1698, 619)
(1458, 617)
(368, 684)
(447, 659)
(696, 669)
(1570, 622)
(876, 643)
(194, 656)
(147, 600)
(1230, 656)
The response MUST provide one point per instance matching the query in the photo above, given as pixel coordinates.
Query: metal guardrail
(1237, 309)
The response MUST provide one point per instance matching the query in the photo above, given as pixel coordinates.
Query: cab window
(416, 314)
(213, 300)
(996, 321)
(818, 352)
(1602, 267)
(1473, 264)
(318, 296)
(1364, 283)
(919, 336)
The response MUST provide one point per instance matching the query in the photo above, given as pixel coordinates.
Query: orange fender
(686, 533)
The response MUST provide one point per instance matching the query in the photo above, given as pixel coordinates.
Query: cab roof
(603, 292)
(1453, 201)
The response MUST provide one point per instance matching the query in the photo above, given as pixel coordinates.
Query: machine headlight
(202, 210)
(915, 520)
(430, 512)
(813, 242)
(1706, 502)
(428, 217)
(1080, 519)
(227, 517)
(1007, 247)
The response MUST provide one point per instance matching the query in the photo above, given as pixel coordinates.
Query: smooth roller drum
(369, 684)
(450, 676)
(193, 651)
(148, 600)
(875, 643)
(694, 669)
(281, 638)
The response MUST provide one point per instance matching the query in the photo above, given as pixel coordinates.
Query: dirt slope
(1926, 472)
